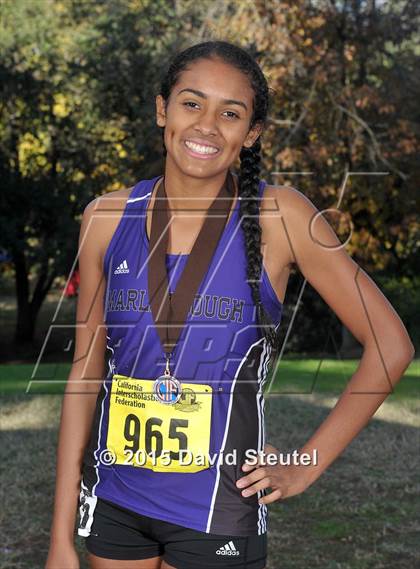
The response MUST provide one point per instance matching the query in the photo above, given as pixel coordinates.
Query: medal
(167, 388)
(172, 308)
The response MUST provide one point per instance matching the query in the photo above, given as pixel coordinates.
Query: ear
(160, 111)
(253, 134)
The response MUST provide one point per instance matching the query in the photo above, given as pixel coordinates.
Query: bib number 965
(166, 438)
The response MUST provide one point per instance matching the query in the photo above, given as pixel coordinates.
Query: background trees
(78, 82)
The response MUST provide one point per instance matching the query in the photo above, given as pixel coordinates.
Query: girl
(179, 292)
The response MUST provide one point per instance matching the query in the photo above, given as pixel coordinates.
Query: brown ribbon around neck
(170, 310)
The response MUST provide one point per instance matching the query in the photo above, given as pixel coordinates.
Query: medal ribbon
(173, 308)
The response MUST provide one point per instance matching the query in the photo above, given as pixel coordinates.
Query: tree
(72, 127)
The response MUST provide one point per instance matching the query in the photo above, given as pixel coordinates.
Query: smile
(200, 150)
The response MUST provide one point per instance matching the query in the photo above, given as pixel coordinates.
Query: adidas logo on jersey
(228, 549)
(122, 268)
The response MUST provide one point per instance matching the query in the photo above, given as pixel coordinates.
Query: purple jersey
(221, 360)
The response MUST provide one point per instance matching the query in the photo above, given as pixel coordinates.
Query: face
(207, 118)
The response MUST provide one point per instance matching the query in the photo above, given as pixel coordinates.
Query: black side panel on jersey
(231, 509)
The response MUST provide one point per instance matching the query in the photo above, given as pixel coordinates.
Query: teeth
(200, 149)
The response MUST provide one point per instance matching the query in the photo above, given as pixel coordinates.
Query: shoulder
(110, 200)
(290, 220)
(288, 210)
(101, 217)
(284, 199)
(284, 211)
(289, 205)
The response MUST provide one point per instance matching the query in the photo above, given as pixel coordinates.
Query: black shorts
(118, 533)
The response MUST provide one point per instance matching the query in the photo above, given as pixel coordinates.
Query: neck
(187, 192)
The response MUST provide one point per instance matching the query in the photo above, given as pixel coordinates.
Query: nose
(206, 124)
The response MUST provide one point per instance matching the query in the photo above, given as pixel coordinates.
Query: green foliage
(404, 295)
(77, 88)
(315, 328)
(77, 115)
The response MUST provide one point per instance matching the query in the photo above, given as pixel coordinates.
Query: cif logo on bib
(167, 389)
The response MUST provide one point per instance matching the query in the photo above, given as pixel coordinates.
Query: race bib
(165, 438)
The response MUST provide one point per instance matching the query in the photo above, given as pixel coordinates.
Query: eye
(235, 115)
(187, 103)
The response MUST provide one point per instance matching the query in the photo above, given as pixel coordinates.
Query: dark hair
(250, 158)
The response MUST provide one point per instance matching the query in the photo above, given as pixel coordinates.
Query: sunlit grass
(292, 377)
(361, 513)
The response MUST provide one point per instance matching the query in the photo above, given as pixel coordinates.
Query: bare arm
(83, 383)
(363, 309)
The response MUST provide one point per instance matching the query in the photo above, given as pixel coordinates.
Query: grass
(360, 514)
(24, 379)
(331, 376)
(292, 377)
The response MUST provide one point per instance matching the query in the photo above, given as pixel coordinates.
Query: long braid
(249, 181)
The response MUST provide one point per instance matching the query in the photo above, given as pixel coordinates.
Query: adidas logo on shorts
(228, 549)
(122, 268)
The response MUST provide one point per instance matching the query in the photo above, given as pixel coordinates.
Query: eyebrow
(204, 96)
